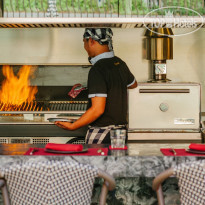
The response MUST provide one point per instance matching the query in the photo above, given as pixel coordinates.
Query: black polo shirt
(110, 77)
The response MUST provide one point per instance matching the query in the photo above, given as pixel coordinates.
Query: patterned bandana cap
(102, 35)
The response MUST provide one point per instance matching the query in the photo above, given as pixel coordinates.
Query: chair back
(50, 182)
(191, 181)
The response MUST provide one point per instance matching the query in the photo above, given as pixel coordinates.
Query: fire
(16, 92)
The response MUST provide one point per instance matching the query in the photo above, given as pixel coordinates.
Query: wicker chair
(52, 182)
(191, 181)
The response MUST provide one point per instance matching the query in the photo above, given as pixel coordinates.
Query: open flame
(16, 93)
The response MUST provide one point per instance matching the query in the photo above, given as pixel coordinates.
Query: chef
(108, 81)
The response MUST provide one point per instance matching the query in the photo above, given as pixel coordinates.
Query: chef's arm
(133, 85)
(94, 112)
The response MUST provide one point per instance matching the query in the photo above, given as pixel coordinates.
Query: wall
(65, 46)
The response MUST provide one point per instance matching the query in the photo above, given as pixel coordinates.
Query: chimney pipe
(159, 48)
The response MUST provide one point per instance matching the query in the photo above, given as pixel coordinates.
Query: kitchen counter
(133, 170)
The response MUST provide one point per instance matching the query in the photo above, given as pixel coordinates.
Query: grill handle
(164, 90)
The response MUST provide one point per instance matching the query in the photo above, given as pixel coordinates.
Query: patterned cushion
(191, 178)
(50, 182)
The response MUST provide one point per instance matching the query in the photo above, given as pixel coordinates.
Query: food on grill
(76, 90)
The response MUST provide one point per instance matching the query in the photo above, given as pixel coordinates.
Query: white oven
(161, 111)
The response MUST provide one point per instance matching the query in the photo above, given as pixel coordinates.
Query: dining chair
(191, 182)
(52, 182)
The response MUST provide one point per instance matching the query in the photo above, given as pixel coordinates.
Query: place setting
(66, 149)
(195, 149)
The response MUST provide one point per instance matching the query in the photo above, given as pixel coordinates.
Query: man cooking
(108, 80)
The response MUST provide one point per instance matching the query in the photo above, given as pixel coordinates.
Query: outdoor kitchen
(184, 71)
(43, 58)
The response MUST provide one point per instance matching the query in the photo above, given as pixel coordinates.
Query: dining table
(139, 159)
(142, 149)
(133, 149)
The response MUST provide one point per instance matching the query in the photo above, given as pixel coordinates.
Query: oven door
(165, 106)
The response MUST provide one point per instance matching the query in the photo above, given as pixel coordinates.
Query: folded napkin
(200, 147)
(64, 147)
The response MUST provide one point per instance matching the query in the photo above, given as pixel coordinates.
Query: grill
(28, 123)
(39, 112)
(35, 107)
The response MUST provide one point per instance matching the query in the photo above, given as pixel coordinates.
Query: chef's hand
(64, 125)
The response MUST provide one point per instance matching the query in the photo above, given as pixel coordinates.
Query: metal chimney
(159, 48)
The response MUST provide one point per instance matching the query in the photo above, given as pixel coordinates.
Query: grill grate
(37, 106)
(68, 106)
(47, 106)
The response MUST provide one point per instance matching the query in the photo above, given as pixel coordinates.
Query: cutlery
(173, 151)
(33, 151)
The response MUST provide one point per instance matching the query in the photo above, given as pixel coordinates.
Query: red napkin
(64, 147)
(200, 147)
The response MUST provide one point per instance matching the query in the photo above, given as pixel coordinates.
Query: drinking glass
(117, 137)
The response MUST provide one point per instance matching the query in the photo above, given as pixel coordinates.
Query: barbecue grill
(29, 123)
